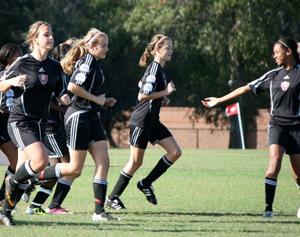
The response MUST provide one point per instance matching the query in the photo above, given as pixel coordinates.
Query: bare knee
(274, 166)
(73, 171)
(175, 154)
(39, 165)
(137, 163)
(76, 173)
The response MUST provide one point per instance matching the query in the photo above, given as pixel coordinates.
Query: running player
(145, 125)
(55, 142)
(82, 120)
(8, 54)
(26, 124)
(283, 84)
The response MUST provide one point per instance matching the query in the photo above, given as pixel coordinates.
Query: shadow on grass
(208, 214)
(126, 227)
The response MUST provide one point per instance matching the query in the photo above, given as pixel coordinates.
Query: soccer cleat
(148, 191)
(268, 214)
(103, 217)
(7, 220)
(115, 204)
(58, 211)
(35, 211)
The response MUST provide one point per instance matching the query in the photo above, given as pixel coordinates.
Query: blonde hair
(157, 41)
(80, 48)
(34, 31)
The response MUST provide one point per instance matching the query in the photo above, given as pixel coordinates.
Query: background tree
(219, 45)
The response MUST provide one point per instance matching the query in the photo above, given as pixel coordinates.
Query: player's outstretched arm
(213, 101)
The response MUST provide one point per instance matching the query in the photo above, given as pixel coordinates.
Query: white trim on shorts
(74, 126)
(17, 135)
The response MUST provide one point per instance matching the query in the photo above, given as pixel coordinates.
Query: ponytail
(81, 48)
(156, 42)
(69, 60)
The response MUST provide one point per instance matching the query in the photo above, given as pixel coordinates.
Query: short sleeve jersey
(43, 79)
(284, 88)
(146, 112)
(89, 75)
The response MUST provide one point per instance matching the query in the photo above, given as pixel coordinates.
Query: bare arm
(213, 101)
(17, 81)
(152, 96)
(81, 92)
(156, 95)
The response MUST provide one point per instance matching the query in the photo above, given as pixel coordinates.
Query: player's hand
(100, 99)
(166, 101)
(170, 88)
(210, 102)
(65, 99)
(19, 81)
(110, 101)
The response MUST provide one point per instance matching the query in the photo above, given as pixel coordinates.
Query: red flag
(231, 110)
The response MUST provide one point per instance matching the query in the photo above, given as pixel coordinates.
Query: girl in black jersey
(55, 142)
(145, 125)
(283, 83)
(82, 120)
(26, 124)
(8, 54)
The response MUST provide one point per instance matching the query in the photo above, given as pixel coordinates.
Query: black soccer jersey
(284, 88)
(146, 112)
(54, 115)
(43, 78)
(88, 74)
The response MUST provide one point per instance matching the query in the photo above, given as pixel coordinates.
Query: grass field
(206, 193)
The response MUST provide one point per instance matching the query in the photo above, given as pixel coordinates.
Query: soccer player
(145, 125)
(55, 142)
(8, 54)
(82, 120)
(283, 84)
(26, 124)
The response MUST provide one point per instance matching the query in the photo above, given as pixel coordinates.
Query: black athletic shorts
(55, 140)
(27, 131)
(285, 136)
(83, 128)
(139, 137)
(4, 136)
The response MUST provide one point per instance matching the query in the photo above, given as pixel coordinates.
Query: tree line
(218, 44)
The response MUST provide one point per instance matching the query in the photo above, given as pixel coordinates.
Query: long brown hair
(157, 41)
(8, 54)
(80, 48)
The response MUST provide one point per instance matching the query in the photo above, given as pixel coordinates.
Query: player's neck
(39, 54)
(160, 61)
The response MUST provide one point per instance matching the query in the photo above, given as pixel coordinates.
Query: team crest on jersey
(150, 79)
(84, 68)
(43, 79)
(285, 85)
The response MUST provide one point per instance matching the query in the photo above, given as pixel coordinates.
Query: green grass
(206, 193)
